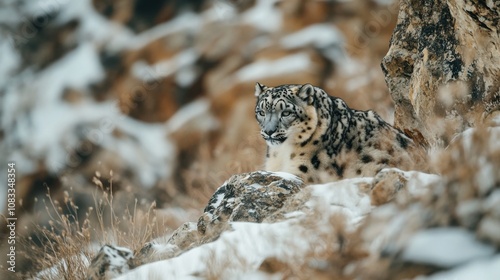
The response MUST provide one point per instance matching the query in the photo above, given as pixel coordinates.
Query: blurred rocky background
(142, 105)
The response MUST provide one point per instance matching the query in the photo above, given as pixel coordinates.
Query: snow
(186, 76)
(450, 247)
(263, 15)
(245, 247)
(242, 249)
(220, 10)
(319, 35)
(484, 269)
(150, 154)
(186, 22)
(46, 127)
(268, 68)
(62, 266)
(182, 65)
(197, 112)
(58, 120)
(10, 60)
(77, 69)
(93, 26)
(346, 198)
(417, 182)
(287, 176)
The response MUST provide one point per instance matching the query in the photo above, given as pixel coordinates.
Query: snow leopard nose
(269, 132)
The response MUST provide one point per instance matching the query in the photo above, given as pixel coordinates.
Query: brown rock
(386, 185)
(444, 62)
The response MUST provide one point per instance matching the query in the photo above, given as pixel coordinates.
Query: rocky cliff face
(444, 65)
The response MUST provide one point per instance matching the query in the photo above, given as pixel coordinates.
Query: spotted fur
(319, 138)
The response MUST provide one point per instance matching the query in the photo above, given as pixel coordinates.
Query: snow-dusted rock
(248, 197)
(110, 262)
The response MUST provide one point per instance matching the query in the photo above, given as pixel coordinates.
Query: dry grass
(68, 244)
(63, 249)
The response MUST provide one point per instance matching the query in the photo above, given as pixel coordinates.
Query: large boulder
(443, 66)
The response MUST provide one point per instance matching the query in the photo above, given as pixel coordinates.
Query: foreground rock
(443, 62)
(250, 197)
(263, 216)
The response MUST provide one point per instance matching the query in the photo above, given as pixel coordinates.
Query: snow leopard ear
(259, 88)
(306, 93)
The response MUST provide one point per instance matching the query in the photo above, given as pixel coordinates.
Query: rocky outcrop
(248, 197)
(279, 209)
(443, 66)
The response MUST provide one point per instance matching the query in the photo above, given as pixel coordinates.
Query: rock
(465, 199)
(110, 262)
(442, 63)
(385, 186)
(183, 239)
(249, 197)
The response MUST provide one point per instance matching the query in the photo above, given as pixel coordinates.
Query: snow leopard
(319, 138)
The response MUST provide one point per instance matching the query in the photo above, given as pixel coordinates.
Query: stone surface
(249, 197)
(110, 262)
(444, 62)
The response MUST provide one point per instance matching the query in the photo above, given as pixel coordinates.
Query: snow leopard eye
(261, 113)
(286, 113)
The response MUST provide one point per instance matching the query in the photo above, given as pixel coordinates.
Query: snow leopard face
(285, 113)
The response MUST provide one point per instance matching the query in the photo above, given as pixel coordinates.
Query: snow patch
(93, 26)
(249, 244)
(263, 15)
(198, 112)
(450, 247)
(147, 151)
(318, 35)
(186, 22)
(417, 182)
(10, 59)
(287, 176)
(486, 269)
(77, 70)
(61, 266)
(183, 61)
(344, 197)
(268, 68)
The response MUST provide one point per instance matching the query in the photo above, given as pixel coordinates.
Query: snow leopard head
(286, 113)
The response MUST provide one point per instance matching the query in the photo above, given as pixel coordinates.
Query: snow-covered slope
(238, 253)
